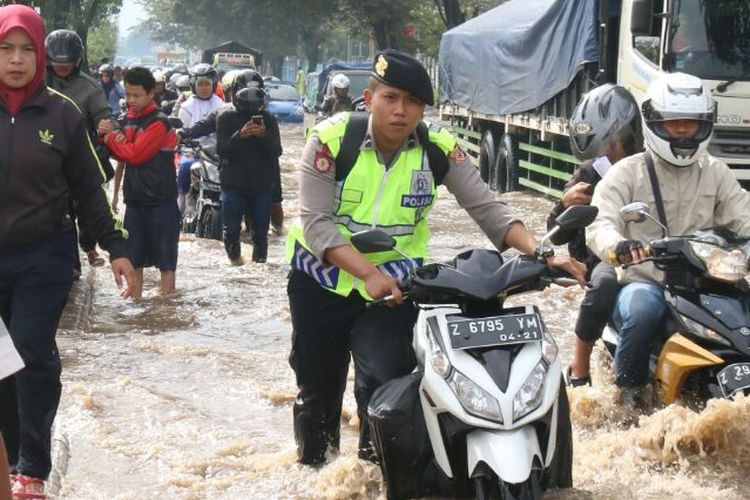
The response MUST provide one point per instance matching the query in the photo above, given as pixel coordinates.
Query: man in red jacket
(150, 190)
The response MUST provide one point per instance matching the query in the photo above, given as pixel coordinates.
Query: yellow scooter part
(677, 359)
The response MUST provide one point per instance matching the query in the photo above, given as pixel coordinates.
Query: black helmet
(250, 100)
(64, 47)
(106, 69)
(203, 70)
(245, 78)
(605, 114)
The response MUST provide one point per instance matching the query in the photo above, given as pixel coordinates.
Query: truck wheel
(506, 171)
(487, 155)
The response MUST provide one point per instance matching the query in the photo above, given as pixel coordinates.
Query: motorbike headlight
(549, 348)
(721, 264)
(702, 331)
(474, 399)
(438, 358)
(529, 396)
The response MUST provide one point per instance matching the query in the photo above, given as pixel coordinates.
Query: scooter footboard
(510, 454)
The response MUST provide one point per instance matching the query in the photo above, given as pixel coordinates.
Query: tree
(77, 15)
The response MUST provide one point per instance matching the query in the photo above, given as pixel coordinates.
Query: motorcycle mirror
(175, 122)
(372, 241)
(577, 217)
(634, 212)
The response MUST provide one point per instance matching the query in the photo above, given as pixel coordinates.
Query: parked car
(284, 101)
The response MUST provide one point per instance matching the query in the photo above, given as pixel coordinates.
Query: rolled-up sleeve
(491, 215)
(317, 195)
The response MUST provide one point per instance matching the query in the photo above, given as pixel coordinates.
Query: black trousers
(326, 329)
(34, 286)
(598, 302)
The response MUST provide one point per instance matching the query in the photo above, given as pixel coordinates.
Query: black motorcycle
(202, 211)
(704, 346)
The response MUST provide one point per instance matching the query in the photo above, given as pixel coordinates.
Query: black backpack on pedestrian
(355, 132)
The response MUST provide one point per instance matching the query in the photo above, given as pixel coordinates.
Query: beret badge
(381, 66)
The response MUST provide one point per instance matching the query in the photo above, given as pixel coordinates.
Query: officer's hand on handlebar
(378, 285)
(630, 252)
(571, 266)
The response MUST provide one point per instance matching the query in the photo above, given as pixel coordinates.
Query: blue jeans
(637, 316)
(34, 286)
(233, 208)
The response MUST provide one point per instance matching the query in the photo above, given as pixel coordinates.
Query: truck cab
(710, 40)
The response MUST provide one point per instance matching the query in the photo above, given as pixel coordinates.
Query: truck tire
(487, 157)
(506, 170)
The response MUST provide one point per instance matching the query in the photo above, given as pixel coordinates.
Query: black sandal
(576, 382)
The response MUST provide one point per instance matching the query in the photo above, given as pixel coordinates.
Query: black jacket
(576, 239)
(47, 158)
(247, 165)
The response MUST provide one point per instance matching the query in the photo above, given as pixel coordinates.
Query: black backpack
(355, 132)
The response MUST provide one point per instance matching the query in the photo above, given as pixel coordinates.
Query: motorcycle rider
(340, 100)
(203, 80)
(605, 127)
(64, 50)
(331, 283)
(248, 141)
(163, 97)
(692, 190)
(112, 89)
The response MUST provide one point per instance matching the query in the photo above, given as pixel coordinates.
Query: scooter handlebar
(613, 256)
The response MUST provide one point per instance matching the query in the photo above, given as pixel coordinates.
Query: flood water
(190, 397)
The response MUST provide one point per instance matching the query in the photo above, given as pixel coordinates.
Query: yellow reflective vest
(396, 201)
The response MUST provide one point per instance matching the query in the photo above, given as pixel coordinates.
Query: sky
(130, 15)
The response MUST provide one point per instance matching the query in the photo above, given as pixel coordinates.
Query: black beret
(399, 69)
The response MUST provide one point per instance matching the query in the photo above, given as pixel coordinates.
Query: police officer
(386, 186)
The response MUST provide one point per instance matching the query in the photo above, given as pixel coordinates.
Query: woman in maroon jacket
(46, 160)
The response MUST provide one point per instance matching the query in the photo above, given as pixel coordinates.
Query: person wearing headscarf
(48, 160)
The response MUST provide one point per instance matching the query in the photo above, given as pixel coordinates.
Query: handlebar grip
(613, 255)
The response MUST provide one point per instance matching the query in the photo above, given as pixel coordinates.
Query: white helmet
(159, 76)
(340, 82)
(678, 96)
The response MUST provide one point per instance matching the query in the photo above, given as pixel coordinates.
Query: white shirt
(194, 110)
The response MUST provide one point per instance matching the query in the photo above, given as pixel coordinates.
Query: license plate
(467, 333)
(734, 378)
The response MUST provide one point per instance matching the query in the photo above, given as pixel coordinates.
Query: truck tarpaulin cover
(236, 47)
(518, 55)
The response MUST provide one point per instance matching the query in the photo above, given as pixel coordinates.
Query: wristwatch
(544, 251)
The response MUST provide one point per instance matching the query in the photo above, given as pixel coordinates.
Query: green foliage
(102, 40)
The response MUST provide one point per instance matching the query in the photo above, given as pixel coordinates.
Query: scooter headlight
(529, 396)
(702, 331)
(438, 358)
(474, 399)
(721, 264)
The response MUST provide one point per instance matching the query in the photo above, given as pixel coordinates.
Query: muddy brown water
(189, 397)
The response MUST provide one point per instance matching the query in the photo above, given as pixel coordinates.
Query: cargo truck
(510, 78)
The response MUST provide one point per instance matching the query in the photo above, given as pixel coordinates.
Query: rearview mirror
(372, 241)
(576, 217)
(642, 17)
(174, 122)
(635, 212)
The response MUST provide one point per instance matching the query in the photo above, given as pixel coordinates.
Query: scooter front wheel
(491, 487)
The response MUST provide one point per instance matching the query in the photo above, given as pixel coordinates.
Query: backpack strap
(356, 128)
(436, 159)
(655, 189)
(355, 132)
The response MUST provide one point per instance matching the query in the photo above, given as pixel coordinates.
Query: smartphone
(257, 119)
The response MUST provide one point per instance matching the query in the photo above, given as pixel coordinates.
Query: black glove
(624, 248)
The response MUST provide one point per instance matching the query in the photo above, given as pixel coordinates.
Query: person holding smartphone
(249, 144)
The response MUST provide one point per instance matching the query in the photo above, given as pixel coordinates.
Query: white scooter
(491, 389)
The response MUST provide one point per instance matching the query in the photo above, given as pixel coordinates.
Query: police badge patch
(420, 194)
(458, 155)
(323, 160)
